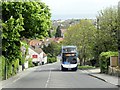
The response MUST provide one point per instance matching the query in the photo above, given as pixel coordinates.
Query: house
(35, 42)
(37, 55)
(44, 58)
(62, 32)
(58, 39)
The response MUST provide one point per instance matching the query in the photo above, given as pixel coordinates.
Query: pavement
(105, 77)
(16, 77)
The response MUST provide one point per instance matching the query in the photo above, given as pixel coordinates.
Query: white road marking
(48, 79)
(16, 80)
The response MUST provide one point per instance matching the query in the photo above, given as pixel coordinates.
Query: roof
(36, 49)
(44, 55)
(35, 42)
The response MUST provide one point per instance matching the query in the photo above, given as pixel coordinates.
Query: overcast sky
(66, 9)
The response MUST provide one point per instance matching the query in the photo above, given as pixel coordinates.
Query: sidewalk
(107, 78)
(16, 77)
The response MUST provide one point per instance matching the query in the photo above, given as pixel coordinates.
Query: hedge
(51, 59)
(105, 60)
(30, 64)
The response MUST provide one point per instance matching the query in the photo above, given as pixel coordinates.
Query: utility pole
(98, 28)
(119, 37)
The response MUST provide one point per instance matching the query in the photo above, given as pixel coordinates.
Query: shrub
(15, 66)
(30, 64)
(85, 67)
(2, 67)
(51, 59)
(105, 60)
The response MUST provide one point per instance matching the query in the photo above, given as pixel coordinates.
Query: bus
(69, 57)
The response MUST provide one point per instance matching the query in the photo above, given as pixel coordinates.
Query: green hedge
(51, 59)
(105, 60)
(11, 67)
(85, 67)
(30, 64)
(2, 67)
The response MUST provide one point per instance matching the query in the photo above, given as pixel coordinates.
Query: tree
(108, 19)
(22, 19)
(36, 20)
(58, 31)
(53, 48)
(82, 35)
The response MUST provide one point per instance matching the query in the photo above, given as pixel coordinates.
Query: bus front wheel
(75, 69)
(62, 68)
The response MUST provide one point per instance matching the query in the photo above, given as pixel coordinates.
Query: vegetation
(51, 59)
(30, 64)
(105, 60)
(85, 67)
(58, 31)
(52, 50)
(82, 35)
(93, 38)
(22, 19)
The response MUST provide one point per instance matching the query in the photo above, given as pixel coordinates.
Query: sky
(77, 9)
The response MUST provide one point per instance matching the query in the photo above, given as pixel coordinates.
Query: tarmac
(92, 72)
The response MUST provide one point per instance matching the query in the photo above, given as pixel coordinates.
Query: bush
(15, 66)
(105, 60)
(30, 64)
(51, 59)
(2, 67)
(85, 67)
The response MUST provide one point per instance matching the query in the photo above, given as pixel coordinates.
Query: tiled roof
(37, 49)
(35, 42)
(44, 55)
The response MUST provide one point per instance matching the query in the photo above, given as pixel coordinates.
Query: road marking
(16, 80)
(48, 79)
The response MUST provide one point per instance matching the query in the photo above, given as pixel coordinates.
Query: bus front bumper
(69, 65)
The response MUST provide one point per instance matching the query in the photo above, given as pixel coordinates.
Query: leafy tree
(11, 26)
(36, 20)
(108, 19)
(58, 31)
(53, 48)
(82, 35)
(22, 19)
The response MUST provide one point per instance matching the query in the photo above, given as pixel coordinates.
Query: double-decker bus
(69, 57)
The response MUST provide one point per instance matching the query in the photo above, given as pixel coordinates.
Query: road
(50, 76)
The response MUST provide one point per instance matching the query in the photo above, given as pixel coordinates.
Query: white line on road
(48, 79)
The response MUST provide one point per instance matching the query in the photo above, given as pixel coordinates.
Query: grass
(85, 67)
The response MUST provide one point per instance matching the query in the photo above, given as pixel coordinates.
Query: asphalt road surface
(50, 76)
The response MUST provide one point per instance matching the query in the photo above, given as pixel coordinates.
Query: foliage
(85, 67)
(51, 59)
(30, 64)
(58, 32)
(24, 44)
(22, 19)
(2, 67)
(108, 29)
(82, 35)
(105, 60)
(53, 48)
(36, 20)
